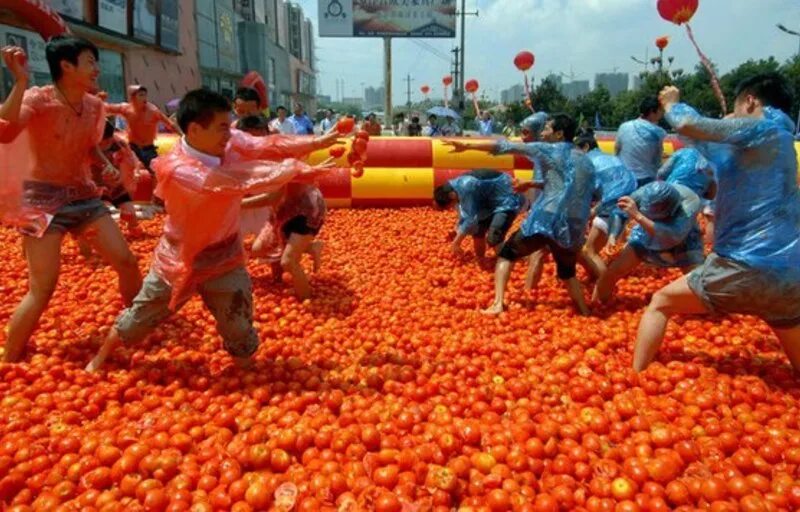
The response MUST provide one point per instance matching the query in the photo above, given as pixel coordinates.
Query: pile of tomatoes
(389, 391)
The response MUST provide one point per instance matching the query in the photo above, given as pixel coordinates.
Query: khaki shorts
(228, 297)
(726, 286)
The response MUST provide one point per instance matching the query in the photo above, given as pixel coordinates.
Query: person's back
(641, 145)
(612, 177)
(562, 210)
(484, 193)
(758, 203)
(688, 167)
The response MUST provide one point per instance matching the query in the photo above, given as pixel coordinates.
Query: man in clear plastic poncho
(487, 207)
(203, 181)
(666, 234)
(640, 142)
(755, 266)
(612, 181)
(48, 138)
(557, 220)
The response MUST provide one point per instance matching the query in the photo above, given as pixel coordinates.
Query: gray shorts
(76, 215)
(228, 297)
(726, 286)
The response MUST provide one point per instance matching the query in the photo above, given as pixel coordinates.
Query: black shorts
(145, 154)
(520, 246)
(495, 228)
(298, 225)
(121, 199)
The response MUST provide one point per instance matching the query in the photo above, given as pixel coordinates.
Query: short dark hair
(585, 137)
(441, 195)
(109, 129)
(66, 48)
(253, 122)
(247, 94)
(771, 89)
(200, 106)
(649, 106)
(281, 107)
(415, 119)
(564, 123)
(432, 117)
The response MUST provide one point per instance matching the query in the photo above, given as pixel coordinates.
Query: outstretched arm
(12, 111)
(168, 122)
(278, 147)
(116, 109)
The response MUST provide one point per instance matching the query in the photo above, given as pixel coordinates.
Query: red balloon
(425, 89)
(471, 86)
(447, 80)
(677, 11)
(662, 42)
(254, 80)
(524, 60)
(40, 16)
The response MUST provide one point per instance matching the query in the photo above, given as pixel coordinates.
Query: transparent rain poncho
(688, 167)
(673, 209)
(480, 199)
(640, 146)
(201, 237)
(535, 124)
(46, 158)
(612, 179)
(757, 205)
(562, 209)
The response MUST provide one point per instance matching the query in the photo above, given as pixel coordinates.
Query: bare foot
(105, 350)
(494, 309)
(316, 253)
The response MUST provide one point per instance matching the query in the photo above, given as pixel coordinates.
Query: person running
(203, 181)
(487, 206)
(142, 118)
(63, 124)
(753, 268)
(558, 218)
(666, 234)
(640, 142)
(614, 181)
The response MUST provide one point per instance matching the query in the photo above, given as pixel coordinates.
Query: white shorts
(601, 224)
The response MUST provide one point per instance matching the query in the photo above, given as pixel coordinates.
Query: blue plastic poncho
(561, 211)
(480, 199)
(688, 167)
(677, 241)
(640, 146)
(612, 179)
(758, 203)
(535, 124)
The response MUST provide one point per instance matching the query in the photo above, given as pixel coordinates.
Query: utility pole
(456, 78)
(461, 78)
(387, 56)
(408, 81)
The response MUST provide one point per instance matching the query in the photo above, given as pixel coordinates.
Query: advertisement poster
(72, 8)
(394, 18)
(113, 15)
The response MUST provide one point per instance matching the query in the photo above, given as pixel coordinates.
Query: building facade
(575, 89)
(614, 82)
(152, 43)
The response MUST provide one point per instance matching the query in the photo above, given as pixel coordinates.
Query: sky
(575, 37)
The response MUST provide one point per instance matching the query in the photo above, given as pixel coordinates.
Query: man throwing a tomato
(203, 181)
(755, 265)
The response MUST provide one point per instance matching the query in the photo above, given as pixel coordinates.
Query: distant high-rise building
(513, 94)
(636, 83)
(324, 99)
(575, 89)
(358, 102)
(614, 82)
(374, 97)
(554, 79)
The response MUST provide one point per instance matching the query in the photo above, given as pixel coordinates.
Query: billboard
(394, 18)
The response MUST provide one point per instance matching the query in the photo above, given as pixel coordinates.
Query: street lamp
(783, 28)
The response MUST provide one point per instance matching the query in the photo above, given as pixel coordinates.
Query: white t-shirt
(286, 127)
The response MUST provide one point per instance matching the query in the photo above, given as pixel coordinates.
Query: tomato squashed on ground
(389, 391)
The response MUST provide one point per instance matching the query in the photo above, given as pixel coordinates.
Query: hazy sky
(583, 37)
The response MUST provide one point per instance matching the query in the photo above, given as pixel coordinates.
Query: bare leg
(675, 298)
(576, 294)
(290, 261)
(623, 265)
(107, 239)
(591, 252)
(479, 246)
(315, 249)
(535, 268)
(790, 339)
(44, 259)
(127, 214)
(502, 273)
(111, 342)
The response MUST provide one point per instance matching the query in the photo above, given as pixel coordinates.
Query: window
(112, 76)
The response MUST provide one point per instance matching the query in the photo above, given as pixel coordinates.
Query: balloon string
(528, 92)
(710, 68)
